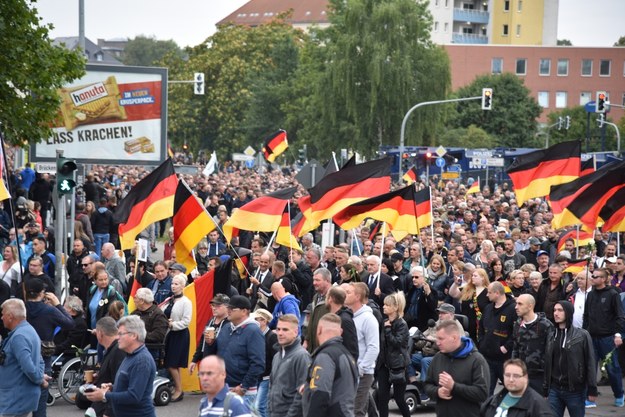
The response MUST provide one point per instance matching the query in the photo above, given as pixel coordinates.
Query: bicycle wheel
(70, 379)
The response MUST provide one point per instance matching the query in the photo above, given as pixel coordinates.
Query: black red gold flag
(274, 145)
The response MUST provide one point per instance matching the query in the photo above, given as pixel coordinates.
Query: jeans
(362, 395)
(496, 372)
(573, 401)
(100, 239)
(250, 400)
(603, 346)
(43, 399)
(261, 397)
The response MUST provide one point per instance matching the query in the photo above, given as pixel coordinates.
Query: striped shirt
(215, 408)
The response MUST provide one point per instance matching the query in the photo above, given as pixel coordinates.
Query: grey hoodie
(368, 332)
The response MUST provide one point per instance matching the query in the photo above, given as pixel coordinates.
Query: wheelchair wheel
(70, 379)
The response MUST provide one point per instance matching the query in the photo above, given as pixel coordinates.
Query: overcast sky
(190, 22)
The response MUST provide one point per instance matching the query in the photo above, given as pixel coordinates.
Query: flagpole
(432, 214)
(577, 241)
(288, 207)
(230, 245)
(357, 245)
(381, 252)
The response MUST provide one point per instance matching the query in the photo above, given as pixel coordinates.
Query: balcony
(469, 38)
(471, 15)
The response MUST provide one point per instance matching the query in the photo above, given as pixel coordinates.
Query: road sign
(494, 162)
(440, 162)
(440, 151)
(454, 168)
(450, 175)
(249, 151)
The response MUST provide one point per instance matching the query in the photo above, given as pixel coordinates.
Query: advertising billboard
(112, 115)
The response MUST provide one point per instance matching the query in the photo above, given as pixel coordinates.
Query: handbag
(48, 347)
(397, 375)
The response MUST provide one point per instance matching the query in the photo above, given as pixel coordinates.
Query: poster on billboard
(112, 115)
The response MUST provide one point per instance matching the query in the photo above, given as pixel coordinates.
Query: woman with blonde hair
(436, 274)
(396, 356)
(473, 299)
(481, 258)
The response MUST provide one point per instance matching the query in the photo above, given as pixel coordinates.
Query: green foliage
(579, 124)
(471, 137)
(242, 65)
(146, 51)
(31, 71)
(512, 121)
(379, 63)
(620, 42)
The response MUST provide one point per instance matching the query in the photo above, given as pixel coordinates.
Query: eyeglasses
(513, 376)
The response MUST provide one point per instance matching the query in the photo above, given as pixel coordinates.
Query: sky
(190, 22)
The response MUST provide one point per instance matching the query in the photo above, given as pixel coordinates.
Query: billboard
(112, 115)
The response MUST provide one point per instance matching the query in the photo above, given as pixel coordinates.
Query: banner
(113, 114)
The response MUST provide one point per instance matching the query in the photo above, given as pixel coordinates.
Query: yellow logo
(314, 377)
(502, 319)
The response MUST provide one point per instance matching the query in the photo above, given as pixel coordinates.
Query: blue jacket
(243, 350)
(163, 289)
(45, 319)
(132, 395)
(288, 305)
(22, 372)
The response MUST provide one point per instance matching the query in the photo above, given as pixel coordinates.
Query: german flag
(150, 200)
(403, 210)
(613, 213)
(263, 214)
(581, 238)
(582, 201)
(274, 145)
(285, 236)
(191, 224)
(411, 175)
(534, 173)
(200, 292)
(475, 187)
(588, 167)
(575, 266)
(4, 192)
(131, 299)
(170, 151)
(348, 186)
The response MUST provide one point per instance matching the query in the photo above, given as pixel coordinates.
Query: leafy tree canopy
(31, 71)
(146, 51)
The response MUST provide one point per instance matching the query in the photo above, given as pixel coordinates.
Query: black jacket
(529, 342)
(603, 313)
(420, 308)
(156, 324)
(495, 330)
(396, 344)
(531, 404)
(350, 335)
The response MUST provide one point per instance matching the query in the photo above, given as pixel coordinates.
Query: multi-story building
(559, 77)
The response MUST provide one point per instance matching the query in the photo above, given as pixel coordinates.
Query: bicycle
(72, 374)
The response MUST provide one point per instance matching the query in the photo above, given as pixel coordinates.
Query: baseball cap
(542, 252)
(447, 308)
(611, 259)
(178, 267)
(239, 301)
(501, 229)
(220, 299)
(534, 241)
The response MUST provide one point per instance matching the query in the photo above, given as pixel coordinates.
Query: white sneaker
(90, 412)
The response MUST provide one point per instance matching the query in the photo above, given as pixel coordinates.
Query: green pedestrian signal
(65, 169)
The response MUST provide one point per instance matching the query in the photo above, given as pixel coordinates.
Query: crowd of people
(317, 331)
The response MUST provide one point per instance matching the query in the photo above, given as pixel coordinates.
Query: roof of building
(95, 54)
(257, 12)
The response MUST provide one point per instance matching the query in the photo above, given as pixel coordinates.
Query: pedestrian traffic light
(65, 175)
(487, 98)
(601, 101)
(568, 122)
(559, 122)
(601, 120)
(303, 153)
(198, 86)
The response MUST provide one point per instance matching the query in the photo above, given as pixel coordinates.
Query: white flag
(211, 166)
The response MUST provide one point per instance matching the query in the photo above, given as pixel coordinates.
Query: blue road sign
(440, 162)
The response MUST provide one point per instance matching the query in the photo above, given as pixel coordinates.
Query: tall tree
(146, 51)
(512, 120)
(31, 71)
(380, 62)
(620, 42)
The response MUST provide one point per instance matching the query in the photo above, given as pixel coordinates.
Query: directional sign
(450, 175)
(440, 162)
(454, 168)
(494, 162)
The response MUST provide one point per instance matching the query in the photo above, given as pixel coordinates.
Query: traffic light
(198, 86)
(65, 175)
(428, 157)
(601, 101)
(601, 120)
(302, 153)
(568, 122)
(559, 122)
(487, 98)
(405, 162)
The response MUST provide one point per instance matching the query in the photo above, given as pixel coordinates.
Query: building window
(506, 6)
(543, 99)
(623, 100)
(467, 30)
(446, 3)
(519, 7)
(497, 65)
(563, 67)
(584, 97)
(544, 68)
(435, 26)
(604, 68)
(521, 66)
(561, 99)
(518, 30)
(446, 27)
(504, 32)
(437, 3)
(586, 67)
(468, 6)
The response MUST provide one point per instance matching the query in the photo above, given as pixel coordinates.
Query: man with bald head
(530, 334)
